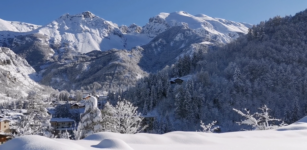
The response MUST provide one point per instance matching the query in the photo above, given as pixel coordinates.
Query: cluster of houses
(68, 124)
(59, 124)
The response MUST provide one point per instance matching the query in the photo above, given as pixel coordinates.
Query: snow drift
(289, 137)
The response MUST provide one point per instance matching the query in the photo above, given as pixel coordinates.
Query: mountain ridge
(71, 37)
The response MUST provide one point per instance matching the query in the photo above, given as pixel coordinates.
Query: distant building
(62, 124)
(180, 80)
(77, 106)
(176, 81)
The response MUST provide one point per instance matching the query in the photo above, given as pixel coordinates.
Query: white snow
(87, 33)
(292, 137)
(17, 26)
(19, 73)
(113, 144)
(201, 24)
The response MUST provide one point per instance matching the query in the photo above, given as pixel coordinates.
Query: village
(65, 116)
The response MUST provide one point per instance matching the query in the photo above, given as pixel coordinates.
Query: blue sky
(139, 11)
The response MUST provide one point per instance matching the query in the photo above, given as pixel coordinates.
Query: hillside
(265, 67)
(17, 77)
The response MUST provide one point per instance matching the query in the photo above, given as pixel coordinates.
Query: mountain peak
(183, 13)
(88, 14)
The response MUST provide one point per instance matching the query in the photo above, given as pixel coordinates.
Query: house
(77, 106)
(179, 80)
(62, 124)
(4, 125)
(176, 81)
(5, 132)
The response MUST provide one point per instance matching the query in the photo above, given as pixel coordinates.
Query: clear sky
(126, 12)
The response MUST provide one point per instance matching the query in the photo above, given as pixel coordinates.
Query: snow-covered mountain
(86, 32)
(16, 26)
(162, 41)
(206, 26)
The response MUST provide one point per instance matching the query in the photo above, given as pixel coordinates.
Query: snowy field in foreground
(292, 137)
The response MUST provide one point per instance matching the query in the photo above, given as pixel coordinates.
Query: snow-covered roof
(184, 78)
(4, 119)
(78, 104)
(61, 120)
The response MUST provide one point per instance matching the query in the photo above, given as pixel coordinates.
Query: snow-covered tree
(77, 133)
(127, 118)
(123, 118)
(259, 121)
(36, 122)
(91, 118)
(108, 118)
(65, 135)
(210, 128)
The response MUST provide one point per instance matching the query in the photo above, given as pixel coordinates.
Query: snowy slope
(204, 25)
(289, 138)
(111, 69)
(12, 29)
(16, 76)
(16, 26)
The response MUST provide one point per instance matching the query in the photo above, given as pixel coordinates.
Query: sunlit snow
(292, 137)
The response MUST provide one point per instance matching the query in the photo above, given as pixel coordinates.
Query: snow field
(292, 137)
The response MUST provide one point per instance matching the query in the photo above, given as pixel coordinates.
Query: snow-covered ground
(292, 137)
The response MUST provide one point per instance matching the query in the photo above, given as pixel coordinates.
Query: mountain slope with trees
(265, 67)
